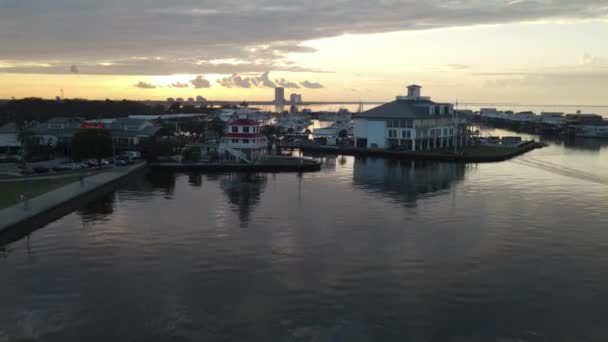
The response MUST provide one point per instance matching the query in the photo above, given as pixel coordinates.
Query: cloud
(152, 67)
(188, 34)
(458, 66)
(144, 85)
(263, 80)
(74, 69)
(311, 85)
(200, 82)
(235, 81)
(178, 85)
(286, 84)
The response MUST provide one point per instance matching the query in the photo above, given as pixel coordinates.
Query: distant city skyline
(524, 51)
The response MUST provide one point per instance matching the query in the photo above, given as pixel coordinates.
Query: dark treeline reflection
(406, 181)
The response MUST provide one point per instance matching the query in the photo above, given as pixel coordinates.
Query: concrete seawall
(54, 204)
(466, 157)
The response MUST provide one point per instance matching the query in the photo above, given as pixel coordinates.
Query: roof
(10, 127)
(244, 122)
(63, 120)
(399, 109)
(147, 131)
(64, 132)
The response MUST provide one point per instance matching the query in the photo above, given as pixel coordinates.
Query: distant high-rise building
(279, 99)
(295, 99)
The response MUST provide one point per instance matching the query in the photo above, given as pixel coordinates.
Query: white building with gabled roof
(412, 122)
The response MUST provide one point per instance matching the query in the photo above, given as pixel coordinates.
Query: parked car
(61, 167)
(92, 163)
(120, 162)
(26, 171)
(41, 169)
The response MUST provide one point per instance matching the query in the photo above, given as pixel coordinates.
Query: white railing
(235, 153)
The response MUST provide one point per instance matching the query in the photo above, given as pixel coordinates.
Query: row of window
(244, 129)
(246, 141)
(439, 110)
(434, 132)
(438, 132)
(405, 134)
(400, 123)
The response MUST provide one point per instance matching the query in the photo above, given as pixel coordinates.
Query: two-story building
(129, 133)
(411, 122)
(243, 140)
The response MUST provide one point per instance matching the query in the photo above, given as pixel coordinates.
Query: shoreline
(54, 204)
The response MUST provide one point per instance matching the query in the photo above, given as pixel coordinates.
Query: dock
(270, 164)
(470, 154)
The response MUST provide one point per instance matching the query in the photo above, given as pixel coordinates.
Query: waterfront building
(580, 118)
(9, 142)
(552, 118)
(128, 133)
(57, 131)
(411, 122)
(243, 141)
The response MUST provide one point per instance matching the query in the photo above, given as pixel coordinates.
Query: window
(437, 110)
(445, 132)
(235, 129)
(392, 133)
(406, 134)
(389, 124)
(235, 141)
(451, 131)
(245, 129)
(245, 141)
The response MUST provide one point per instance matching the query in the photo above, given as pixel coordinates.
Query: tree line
(41, 110)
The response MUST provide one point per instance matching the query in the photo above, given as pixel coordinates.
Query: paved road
(20, 212)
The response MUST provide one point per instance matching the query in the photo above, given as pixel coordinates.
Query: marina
(420, 257)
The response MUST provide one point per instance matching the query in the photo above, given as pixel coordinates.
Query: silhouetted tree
(91, 143)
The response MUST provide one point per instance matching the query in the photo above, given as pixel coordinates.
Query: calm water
(365, 250)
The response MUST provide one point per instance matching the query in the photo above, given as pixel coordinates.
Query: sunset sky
(523, 51)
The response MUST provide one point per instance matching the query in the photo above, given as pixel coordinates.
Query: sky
(507, 51)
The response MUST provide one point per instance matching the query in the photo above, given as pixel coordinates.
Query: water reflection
(406, 181)
(98, 210)
(243, 191)
(589, 144)
(163, 181)
(195, 179)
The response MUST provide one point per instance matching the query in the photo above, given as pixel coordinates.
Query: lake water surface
(365, 250)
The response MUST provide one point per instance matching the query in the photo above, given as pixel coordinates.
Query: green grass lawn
(10, 191)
